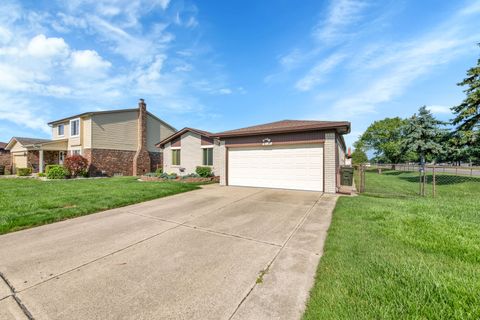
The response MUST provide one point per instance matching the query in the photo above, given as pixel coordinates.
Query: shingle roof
(3, 145)
(91, 113)
(28, 141)
(179, 133)
(286, 126)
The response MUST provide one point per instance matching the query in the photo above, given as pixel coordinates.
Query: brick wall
(6, 160)
(110, 162)
(141, 160)
(219, 162)
(155, 161)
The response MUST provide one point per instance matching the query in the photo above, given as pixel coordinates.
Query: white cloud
(225, 91)
(89, 61)
(43, 47)
(22, 112)
(437, 109)
(341, 14)
(317, 74)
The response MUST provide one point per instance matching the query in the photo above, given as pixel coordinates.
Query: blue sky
(218, 65)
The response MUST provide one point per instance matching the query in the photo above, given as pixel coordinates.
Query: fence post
(433, 181)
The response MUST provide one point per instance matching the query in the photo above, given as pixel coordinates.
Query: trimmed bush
(76, 165)
(171, 176)
(191, 175)
(23, 172)
(57, 172)
(204, 172)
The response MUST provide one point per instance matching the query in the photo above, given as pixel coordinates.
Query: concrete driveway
(214, 253)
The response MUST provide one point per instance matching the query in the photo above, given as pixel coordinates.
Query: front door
(61, 157)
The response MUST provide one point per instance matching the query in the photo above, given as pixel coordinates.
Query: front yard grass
(401, 257)
(25, 203)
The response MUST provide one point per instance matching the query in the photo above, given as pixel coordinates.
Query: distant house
(5, 158)
(3, 145)
(115, 142)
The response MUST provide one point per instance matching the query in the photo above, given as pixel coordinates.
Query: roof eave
(179, 133)
(345, 126)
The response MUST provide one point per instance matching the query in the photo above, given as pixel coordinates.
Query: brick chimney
(141, 160)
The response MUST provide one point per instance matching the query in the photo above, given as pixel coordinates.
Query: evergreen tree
(467, 114)
(422, 134)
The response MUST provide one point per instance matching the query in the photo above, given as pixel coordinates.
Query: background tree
(422, 135)
(467, 114)
(359, 156)
(384, 138)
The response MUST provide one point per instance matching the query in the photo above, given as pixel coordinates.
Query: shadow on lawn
(441, 179)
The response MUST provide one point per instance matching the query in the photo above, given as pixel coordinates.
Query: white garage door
(287, 167)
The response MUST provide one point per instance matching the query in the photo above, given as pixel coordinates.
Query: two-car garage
(285, 166)
(287, 154)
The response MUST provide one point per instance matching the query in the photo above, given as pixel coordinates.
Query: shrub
(159, 172)
(171, 176)
(76, 165)
(23, 172)
(150, 174)
(191, 175)
(42, 174)
(57, 172)
(204, 172)
(48, 166)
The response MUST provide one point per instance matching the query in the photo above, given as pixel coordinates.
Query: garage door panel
(287, 167)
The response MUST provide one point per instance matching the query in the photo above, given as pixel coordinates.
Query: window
(75, 128)
(61, 130)
(207, 156)
(176, 157)
(76, 152)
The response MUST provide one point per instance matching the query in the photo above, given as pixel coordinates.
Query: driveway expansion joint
(14, 296)
(99, 258)
(297, 227)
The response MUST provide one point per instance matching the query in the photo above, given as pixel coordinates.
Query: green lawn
(26, 203)
(402, 257)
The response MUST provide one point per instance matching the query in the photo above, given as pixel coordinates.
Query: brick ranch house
(288, 154)
(116, 142)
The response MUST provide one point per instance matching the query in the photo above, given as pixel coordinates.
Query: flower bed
(180, 179)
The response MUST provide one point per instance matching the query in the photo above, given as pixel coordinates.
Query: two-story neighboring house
(116, 142)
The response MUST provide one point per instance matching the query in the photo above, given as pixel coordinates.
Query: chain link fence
(410, 180)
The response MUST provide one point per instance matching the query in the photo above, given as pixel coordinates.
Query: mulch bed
(179, 179)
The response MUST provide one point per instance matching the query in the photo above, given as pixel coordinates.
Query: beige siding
(116, 131)
(330, 162)
(156, 132)
(19, 156)
(165, 132)
(19, 160)
(17, 147)
(66, 131)
(86, 133)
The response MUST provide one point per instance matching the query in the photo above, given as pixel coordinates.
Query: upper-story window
(61, 130)
(74, 128)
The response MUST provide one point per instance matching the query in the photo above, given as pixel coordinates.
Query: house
(115, 142)
(289, 154)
